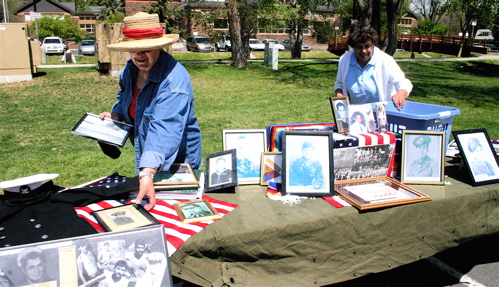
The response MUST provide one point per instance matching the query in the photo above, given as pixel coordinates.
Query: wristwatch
(143, 173)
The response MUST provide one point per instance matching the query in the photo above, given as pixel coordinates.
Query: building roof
(47, 6)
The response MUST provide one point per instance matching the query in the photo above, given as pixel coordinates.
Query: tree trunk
(392, 11)
(239, 57)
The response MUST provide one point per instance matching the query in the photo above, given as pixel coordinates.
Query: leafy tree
(428, 27)
(111, 7)
(169, 13)
(65, 28)
(430, 10)
(11, 5)
(242, 21)
(115, 18)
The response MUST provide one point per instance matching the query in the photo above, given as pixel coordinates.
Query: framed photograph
(271, 168)
(361, 119)
(196, 211)
(307, 161)
(124, 217)
(103, 130)
(101, 259)
(423, 157)
(178, 174)
(377, 192)
(381, 117)
(479, 155)
(249, 145)
(221, 170)
(362, 161)
(339, 106)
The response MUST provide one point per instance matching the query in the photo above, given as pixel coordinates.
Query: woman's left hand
(399, 98)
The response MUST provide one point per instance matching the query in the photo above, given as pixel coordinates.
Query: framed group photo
(339, 106)
(221, 170)
(249, 145)
(271, 168)
(423, 157)
(479, 155)
(307, 161)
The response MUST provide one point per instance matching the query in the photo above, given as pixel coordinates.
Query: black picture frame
(102, 252)
(479, 155)
(317, 179)
(342, 122)
(124, 217)
(223, 179)
(423, 157)
(104, 130)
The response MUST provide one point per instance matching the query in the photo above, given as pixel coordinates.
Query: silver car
(87, 47)
(198, 44)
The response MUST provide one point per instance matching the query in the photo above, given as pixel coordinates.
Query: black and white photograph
(124, 217)
(423, 157)
(339, 106)
(361, 119)
(105, 130)
(381, 117)
(479, 156)
(221, 170)
(249, 145)
(123, 258)
(362, 162)
(308, 163)
(196, 211)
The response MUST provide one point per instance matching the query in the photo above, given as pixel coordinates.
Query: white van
(484, 34)
(53, 45)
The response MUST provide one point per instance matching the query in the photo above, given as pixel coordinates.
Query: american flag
(176, 232)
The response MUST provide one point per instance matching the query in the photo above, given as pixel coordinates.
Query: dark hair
(362, 35)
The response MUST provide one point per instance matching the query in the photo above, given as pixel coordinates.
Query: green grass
(38, 115)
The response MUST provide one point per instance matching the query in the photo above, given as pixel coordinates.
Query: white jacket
(387, 74)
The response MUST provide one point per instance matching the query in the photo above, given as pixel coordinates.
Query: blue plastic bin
(420, 116)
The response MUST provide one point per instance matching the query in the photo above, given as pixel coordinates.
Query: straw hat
(142, 32)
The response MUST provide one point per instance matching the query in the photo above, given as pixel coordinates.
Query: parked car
(53, 45)
(87, 47)
(277, 44)
(65, 44)
(492, 47)
(198, 44)
(287, 45)
(256, 45)
(223, 43)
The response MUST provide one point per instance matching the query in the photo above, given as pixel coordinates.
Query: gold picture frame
(271, 170)
(124, 217)
(196, 211)
(377, 192)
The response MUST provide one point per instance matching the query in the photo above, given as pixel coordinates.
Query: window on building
(87, 27)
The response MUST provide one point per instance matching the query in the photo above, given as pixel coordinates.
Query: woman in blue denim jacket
(156, 97)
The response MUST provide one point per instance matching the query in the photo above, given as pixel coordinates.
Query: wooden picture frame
(221, 171)
(124, 217)
(62, 259)
(339, 107)
(196, 211)
(249, 145)
(271, 170)
(423, 157)
(307, 160)
(178, 174)
(377, 192)
(478, 153)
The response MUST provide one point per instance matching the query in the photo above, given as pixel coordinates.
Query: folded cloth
(176, 232)
(274, 193)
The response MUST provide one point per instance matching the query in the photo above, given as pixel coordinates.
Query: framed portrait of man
(361, 119)
(307, 160)
(249, 145)
(478, 155)
(221, 170)
(423, 157)
(339, 106)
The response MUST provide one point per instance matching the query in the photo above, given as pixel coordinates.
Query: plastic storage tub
(420, 116)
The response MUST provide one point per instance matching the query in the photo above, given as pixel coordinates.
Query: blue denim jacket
(165, 128)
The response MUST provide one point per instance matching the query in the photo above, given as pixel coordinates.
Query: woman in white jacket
(367, 75)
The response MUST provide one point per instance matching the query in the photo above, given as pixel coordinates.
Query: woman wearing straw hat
(156, 97)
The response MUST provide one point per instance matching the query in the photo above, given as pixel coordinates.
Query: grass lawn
(39, 114)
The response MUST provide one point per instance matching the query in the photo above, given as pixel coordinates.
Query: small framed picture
(381, 117)
(307, 161)
(361, 119)
(249, 145)
(124, 217)
(479, 156)
(196, 211)
(221, 170)
(339, 106)
(423, 157)
(377, 192)
(271, 168)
